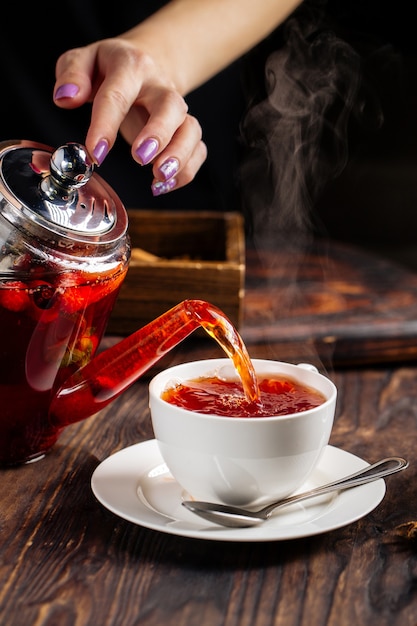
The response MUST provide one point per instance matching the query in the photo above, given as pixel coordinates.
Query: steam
(298, 141)
(298, 134)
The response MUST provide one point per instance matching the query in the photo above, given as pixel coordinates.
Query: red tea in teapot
(51, 326)
(216, 396)
(64, 251)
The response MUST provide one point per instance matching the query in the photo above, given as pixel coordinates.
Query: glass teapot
(64, 254)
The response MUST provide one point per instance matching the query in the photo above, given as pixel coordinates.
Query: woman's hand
(131, 93)
(136, 81)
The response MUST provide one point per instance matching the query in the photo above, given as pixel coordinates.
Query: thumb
(73, 73)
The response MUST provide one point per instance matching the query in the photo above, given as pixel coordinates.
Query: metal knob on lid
(70, 168)
(58, 190)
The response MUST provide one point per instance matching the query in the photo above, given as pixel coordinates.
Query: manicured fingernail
(100, 151)
(147, 150)
(169, 168)
(160, 188)
(69, 90)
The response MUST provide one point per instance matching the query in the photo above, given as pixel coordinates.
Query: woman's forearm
(195, 39)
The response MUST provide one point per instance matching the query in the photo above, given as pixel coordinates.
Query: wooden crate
(179, 255)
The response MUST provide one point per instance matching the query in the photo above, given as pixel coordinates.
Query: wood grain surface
(65, 560)
(344, 303)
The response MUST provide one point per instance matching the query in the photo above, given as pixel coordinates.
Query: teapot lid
(58, 190)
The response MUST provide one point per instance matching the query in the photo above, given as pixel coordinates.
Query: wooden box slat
(200, 255)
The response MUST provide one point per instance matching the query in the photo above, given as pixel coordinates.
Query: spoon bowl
(236, 517)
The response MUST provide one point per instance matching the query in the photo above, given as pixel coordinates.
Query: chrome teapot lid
(57, 190)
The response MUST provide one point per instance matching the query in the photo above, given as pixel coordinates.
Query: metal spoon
(236, 517)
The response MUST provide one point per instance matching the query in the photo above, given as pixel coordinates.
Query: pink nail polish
(147, 150)
(68, 90)
(160, 188)
(169, 168)
(100, 151)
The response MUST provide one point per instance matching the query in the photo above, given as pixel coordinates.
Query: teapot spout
(111, 372)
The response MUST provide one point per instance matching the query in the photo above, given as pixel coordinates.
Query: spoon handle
(382, 468)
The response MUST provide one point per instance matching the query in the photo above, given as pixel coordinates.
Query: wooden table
(65, 560)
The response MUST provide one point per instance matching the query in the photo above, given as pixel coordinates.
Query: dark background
(371, 200)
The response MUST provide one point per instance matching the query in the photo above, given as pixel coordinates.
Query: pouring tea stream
(65, 252)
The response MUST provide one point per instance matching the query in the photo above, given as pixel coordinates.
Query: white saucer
(136, 485)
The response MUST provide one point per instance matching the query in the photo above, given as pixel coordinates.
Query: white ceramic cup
(235, 460)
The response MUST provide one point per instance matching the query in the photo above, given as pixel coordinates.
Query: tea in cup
(221, 447)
